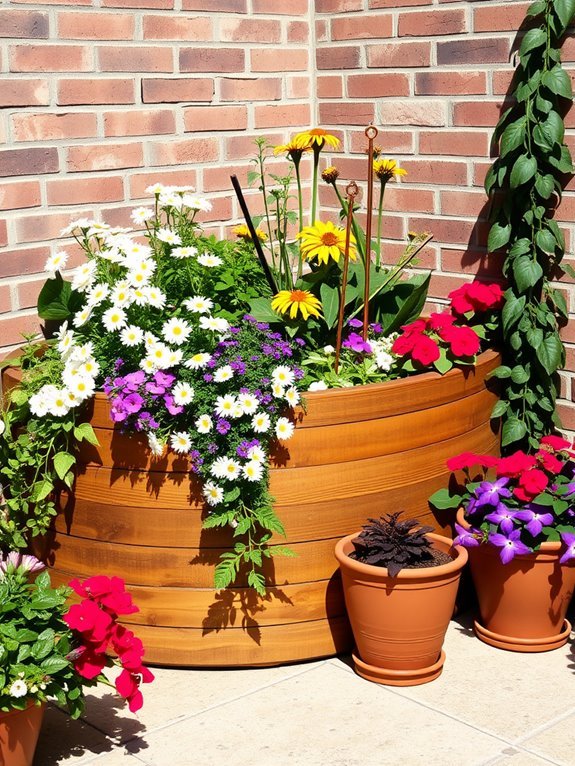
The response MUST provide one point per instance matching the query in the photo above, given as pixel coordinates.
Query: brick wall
(99, 98)
(433, 76)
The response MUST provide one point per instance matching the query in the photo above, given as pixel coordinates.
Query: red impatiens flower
(425, 350)
(514, 465)
(89, 664)
(87, 618)
(110, 592)
(556, 442)
(469, 459)
(530, 484)
(463, 341)
(475, 296)
(549, 462)
(440, 322)
(128, 686)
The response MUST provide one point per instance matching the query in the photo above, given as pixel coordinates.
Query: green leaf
(519, 375)
(565, 10)
(41, 490)
(63, 461)
(54, 664)
(513, 136)
(260, 309)
(44, 644)
(527, 272)
(498, 236)
(330, 303)
(546, 241)
(550, 353)
(534, 337)
(85, 432)
(536, 8)
(442, 499)
(513, 431)
(558, 82)
(499, 409)
(534, 38)
(523, 170)
(501, 372)
(545, 185)
(57, 300)
(256, 580)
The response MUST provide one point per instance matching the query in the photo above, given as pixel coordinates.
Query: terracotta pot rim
(552, 548)
(405, 575)
(16, 711)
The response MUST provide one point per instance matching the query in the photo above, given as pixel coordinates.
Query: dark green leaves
(57, 300)
(534, 38)
(498, 236)
(513, 136)
(558, 82)
(565, 10)
(523, 170)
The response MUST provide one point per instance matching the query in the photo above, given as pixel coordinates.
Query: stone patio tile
(500, 692)
(557, 741)
(513, 757)
(115, 758)
(323, 717)
(64, 741)
(178, 693)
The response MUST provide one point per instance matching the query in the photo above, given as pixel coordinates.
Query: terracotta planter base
(512, 644)
(399, 677)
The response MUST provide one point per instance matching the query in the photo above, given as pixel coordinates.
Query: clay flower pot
(19, 730)
(399, 623)
(522, 604)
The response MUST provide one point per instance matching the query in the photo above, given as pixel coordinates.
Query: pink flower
(89, 664)
(87, 618)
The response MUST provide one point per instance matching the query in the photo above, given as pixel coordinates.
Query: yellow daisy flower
(294, 301)
(295, 144)
(243, 232)
(386, 169)
(319, 137)
(324, 241)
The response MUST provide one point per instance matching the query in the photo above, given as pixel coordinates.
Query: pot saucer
(411, 677)
(513, 644)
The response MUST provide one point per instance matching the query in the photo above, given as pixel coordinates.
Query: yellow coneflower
(243, 232)
(324, 241)
(294, 148)
(318, 137)
(330, 175)
(386, 169)
(296, 301)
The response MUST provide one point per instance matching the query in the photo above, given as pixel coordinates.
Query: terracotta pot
(522, 604)
(399, 623)
(377, 446)
(19, 730)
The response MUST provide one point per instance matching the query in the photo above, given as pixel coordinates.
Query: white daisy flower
(141, 214)
(198, 304)
(156, 445)
(65, 338)
(328, 350)
(261, 422)
(18, 689)
(156, 188)
(160, 355)
(168, 236)
(213, 493)
(183, 393)
(84, 276)
(226, 468)
(140, 296)
(175, 358)
(135, 253)
(82, 387)
(223, 373)
(318, 385)
(84, 352)
(204, 424)
(132, 335)
(80, 223)
(248, 403)
(169, 199)
(283, 375)
(198, 361)
(284, 429)
(278, 391)
(150, 340)
(141, 274)
(81, 317)
(114, 318)
(148, 365)
(184, 252)
(216, 324)
(197, 203)
(39, 402)
(225, 405)
(176, 331)
(56, 262)
(122, 295)
(180, 442)
(58, 404)
(292, 396)
(253, 471)
(90, 368)
(208, 260)
(97, 294)
(257, 453)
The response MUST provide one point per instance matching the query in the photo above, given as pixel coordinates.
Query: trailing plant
(525, 184)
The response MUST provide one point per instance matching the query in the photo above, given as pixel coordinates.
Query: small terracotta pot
(19, 730)
(522, 604)
(399, 623)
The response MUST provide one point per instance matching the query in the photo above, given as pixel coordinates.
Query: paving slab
(64, 741)
(556, 742)
(519, 758)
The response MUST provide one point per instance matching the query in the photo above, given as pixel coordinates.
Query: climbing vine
(525, 184)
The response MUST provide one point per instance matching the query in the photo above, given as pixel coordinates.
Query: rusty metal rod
(351, 191)
(370, 132)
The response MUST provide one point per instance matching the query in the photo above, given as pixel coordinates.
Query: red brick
(414, 112)
(401, 199)
(464, 143)
(338, 6)
(389, 141)
(400, 54)
(5, 299)
(565, 410)
(215, 118)
(298, 87)
(28, 126)
(440, 286)
(28, 162)
(14, 263)
(95, 26)
(23, 92)
(51, 58)
(139, 182)
(80, 191)
(139, 122)
(36, 228)
(212, 60)
(104, 156)
(267, 60)
(240, 147)
(18, 195)
(135, 59)
(502, 80)
(348, 112)
(252, 89)
(190, 150)
(250, 31)
(485, 50)
(139, 4)
(218, 179)
(432, 22)
(28, 293)
(340, 57)
(374, 85)
(161, 27)
(396, 3)
(282, 115)
(221, 6)
(329, 86)
(53, 2)
(297, 31)
(3, 233)
(477, 113)
(281, 7)
(321, 31)
(450, 83)
(29, 24)
(164, 90)
(436, 172)
(479, 172)
(463, 203)
(471, 261)
(12, 329)
(499, 18)
(362, 27)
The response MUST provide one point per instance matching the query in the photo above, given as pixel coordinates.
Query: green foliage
(525, 182)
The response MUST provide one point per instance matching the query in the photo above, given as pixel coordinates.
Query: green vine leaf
(550, 353)
(565, 10)
(558, 82)
(513, 136)
(523, 170)
(498, 236)
(535, 38)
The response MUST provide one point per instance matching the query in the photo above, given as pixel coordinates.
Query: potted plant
(517, 518)
(50, 650)
(400, 582)
(150, 434)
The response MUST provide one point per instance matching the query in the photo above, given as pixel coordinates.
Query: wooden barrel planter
(356, 453)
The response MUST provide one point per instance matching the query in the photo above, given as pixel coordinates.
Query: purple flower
(536, 520)
(133, 403)
(511, 545)
(223, 426)
(117, 364)
(135, 378)
(208, 377)
(491, 492)
(465, 537)
(569, 540)
(377, 328)
(154, 388)
(21, 562)
(118, 412)
(212, 448)
(570, 489)
(356, 343)
(355, 323)
(164, 378)
(504, 517)
(173, 409)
